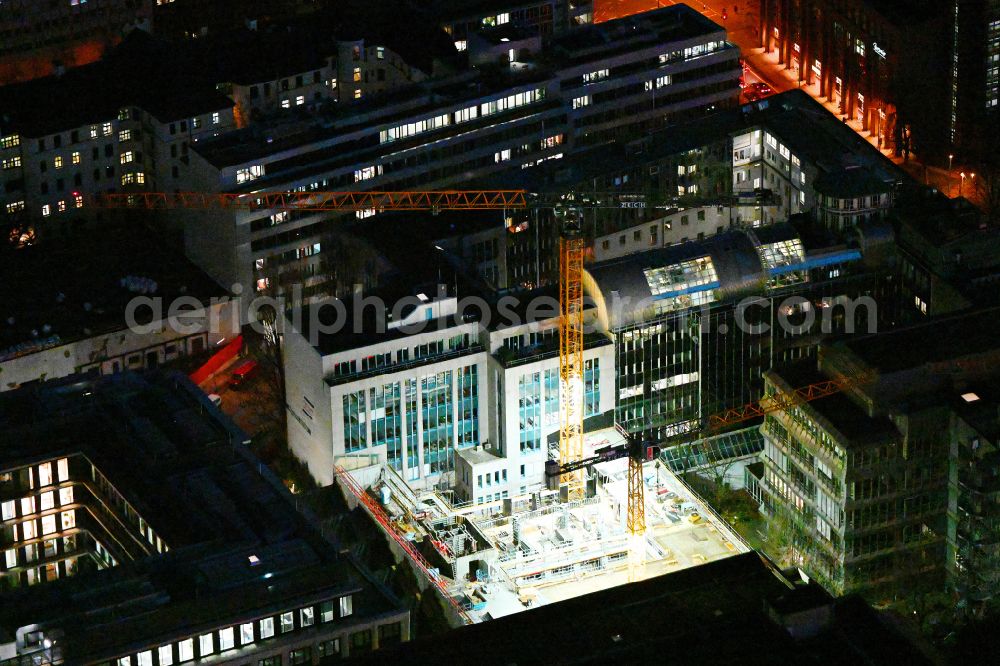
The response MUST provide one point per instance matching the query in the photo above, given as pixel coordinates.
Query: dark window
(74, 136)
(77, 179)
(97, 174)
(95, 153)
(270, 661)
(298, 81)
(284, 84)
(109, 171)
(381, 74)
(173, 128)
(254, 93)
(59, 184)
(45, 187)
(184, 126)
(328, 649)
(300, 656)
(389, 634)
(43, 166)
(316, 77)
(57, 140)
(41, 145)
(175, 172)
(173, 150)
(361, 641)
(701, 215)
(109, 150)
(267, 90)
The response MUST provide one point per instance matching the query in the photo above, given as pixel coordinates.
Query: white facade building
(457, 404)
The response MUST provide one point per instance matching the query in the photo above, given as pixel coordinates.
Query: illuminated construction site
(500, 558)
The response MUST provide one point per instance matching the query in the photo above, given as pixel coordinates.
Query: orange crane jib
(318, 201)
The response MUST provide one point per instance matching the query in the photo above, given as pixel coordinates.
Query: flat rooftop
(717, 613)
(969, 334)
(184, 468)
(56, 294)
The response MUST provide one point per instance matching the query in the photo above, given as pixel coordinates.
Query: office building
(867, 479)
(880, 61)
(595, 84)
(444, 398)
(696, 324)
(138, 529)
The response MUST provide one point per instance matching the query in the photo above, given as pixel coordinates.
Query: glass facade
(385, 422)
(591, 387)
(780, 260)
(412, 459)
(689, 283)
(552, 397)
(468, 407)
(354, 421)
(438, 419)
(530, 411)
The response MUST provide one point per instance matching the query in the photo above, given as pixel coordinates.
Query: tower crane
(572, 247)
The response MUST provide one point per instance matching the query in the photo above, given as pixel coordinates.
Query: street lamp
(961, 183)
(950, 158)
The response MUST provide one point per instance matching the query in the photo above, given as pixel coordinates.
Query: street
(742, 24)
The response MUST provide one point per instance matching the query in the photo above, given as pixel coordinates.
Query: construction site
(495, 559)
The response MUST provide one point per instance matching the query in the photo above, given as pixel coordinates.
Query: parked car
(242, 374)
(761, 88)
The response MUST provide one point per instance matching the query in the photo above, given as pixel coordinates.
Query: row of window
(242, 635)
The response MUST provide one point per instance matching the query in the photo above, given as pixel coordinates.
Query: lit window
(267, 627)
(11, 557)
(145, 658)
(502, 156)
(580, 102)
(68, 519)
(15, 206)
(215, 118)
(93, 131)
(205, 647)
(357, 93)
(306, 617)
(75, 158)
(127, 157)
(595, 76)
(357, 74)
(246, 633)
(124, 661)
(61, 205)
(11, 141)
(62, 469)
(27, 505)
(106, 129)
(11, 162)
(195, 123)
(185, 650)
(503, 18)
(45, 474)
(326, 611)
(346, 606)
(125, 135)
(78, 200)
(165, 654)
(7, 510)
(250, 173)
(46, 210)
(461, 45)
(58, 162)
(48, 500)
(65, 496)
(287, 622)
(28, 530)
(286, 104)
(227, 639)
(48, 524)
